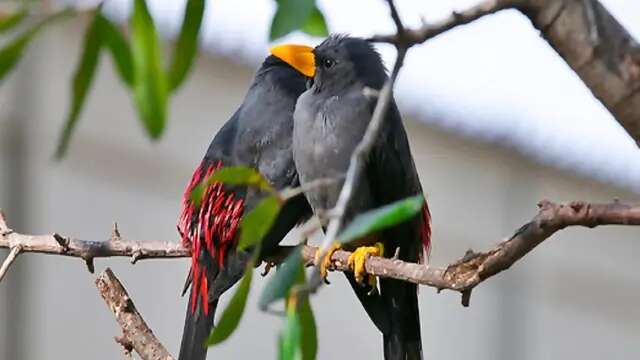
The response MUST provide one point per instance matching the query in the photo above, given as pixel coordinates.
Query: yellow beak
(300, 57)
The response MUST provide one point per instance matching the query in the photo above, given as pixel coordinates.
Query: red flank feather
(212, 225)
(425, 233)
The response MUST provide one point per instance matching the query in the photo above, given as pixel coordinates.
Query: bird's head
(336, 63)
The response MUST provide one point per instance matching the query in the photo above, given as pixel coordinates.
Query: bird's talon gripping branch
(324, 263)
(268, 265)
(358, 258)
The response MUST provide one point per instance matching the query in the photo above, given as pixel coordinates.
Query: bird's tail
(197, 326)
(402, 340)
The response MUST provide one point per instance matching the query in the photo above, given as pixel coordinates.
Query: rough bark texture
(598, 49)
(136, 334)
(462, 275)
(590, 40)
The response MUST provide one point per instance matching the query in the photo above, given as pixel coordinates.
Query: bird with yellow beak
(330, 118)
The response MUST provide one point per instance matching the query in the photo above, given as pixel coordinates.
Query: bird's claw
(358, 258)
(267, 268)
(324, 263)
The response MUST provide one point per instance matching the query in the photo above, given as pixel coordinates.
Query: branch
(136, 334)
(462, 275)
(591, 41)
(474, 268)
(411, 37)
(87, 250)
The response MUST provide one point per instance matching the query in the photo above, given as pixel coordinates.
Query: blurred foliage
(233, 312)
(279, 284)
(255, 225)
(137, 53)
(381, 218)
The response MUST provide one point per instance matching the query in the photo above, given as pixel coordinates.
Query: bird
(330, 119)
(258, 135)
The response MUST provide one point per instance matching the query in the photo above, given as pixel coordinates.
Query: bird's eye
(328, 63)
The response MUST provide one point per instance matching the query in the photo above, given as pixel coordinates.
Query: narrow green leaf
(197, 193)
(279, 284)
(290, 16)
(233, 312)
(117, 45)
(255, 224)
(290, 348)
(307, 322)
(315, 25)
(382, 218)
(150, 84)
(82, 79)
(232, 175)
(8, 22)
(187, 45)
(11, 53)
(240, 175)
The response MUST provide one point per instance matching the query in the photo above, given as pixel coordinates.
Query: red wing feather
(212, 225)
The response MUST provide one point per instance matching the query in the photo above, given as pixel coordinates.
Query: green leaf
(197, 193)
(290, 348)
(315, 25)
(232, 175)
(7, 22)
(118, 47)
(382, 218)
(233, 312)
(255, 224)
(187, 44)
(279, 284)
(307, 322)
(240, 175)
(11, 53)
(81, 83)
(150, 84)
(290, 16)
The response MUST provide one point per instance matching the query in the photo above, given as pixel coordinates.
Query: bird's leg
(359, 257)
(324, 263)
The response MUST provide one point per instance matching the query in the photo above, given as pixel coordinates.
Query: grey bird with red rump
(329, 121)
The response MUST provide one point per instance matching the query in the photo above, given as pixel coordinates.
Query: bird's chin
(309, 83)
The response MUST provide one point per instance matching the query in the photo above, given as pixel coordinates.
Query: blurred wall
(574, 297)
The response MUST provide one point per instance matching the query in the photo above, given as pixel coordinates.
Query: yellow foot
(324, 263)
(359, 257)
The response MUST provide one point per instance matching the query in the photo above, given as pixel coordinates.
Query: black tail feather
(402, 341)
(197, 327)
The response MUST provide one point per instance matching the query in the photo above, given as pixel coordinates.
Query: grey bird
(330, 119)
(258, 135)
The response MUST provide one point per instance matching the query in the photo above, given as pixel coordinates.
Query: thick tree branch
(472, 269)
(592, 42)
(462, 275)
(136, 334)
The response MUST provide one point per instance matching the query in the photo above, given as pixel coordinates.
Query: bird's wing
(392, 176)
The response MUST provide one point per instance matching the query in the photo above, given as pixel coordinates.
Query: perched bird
(257, 135)
(329, 121)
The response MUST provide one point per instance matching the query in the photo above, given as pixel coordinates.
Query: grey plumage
(329, 121)
(257, 135)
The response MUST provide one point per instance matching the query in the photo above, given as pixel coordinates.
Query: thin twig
(57, 244)
(136, 334)
(13, 254)
(410, 37)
